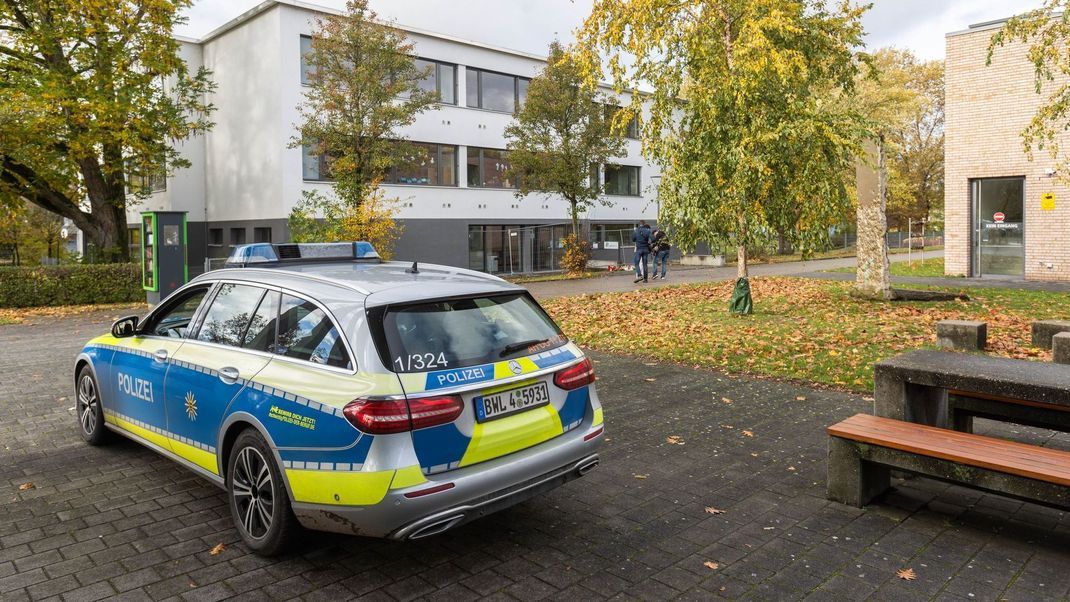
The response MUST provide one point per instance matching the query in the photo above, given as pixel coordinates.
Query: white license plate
(504, 403)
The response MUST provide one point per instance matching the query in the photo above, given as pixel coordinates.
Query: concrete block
(1044, 330)
(1060, 348)
(967, 335)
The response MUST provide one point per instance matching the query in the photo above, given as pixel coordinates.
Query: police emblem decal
(515, 367)
(191, 405)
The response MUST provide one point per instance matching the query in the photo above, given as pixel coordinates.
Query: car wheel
(88, 409)
(259, 503)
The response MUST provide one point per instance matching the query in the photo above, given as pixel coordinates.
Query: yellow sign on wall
(1047, 201)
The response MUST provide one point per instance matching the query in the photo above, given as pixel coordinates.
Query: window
(622, 180)
(631, 130)
(315, 165)
(306, 333)
(465, 332)
(261, 234)
(495, 91)
(307, 69)
(229, 315)
(215, 237)
(487, 168)
(429, 165)
(260, 335)
(173, 320)
(237, 236)
(156, 181)
(440, 80)
(133, 237)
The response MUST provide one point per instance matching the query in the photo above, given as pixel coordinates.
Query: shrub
(70, 285)
(577, 254)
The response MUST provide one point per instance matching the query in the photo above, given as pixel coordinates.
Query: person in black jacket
(641, 238)
(659, 247)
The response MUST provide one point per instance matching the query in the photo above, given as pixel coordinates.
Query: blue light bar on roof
(266, 254)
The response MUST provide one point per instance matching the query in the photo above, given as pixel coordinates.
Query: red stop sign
(999, 217)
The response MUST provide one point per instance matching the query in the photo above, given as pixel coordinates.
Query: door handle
(229, 375)
(160, 355)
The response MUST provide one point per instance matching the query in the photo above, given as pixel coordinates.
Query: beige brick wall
(987, 107)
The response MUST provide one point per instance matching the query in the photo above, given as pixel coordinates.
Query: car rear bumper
(477, 491)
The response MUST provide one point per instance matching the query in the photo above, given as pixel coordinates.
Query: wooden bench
(864, 449)
(948, 389)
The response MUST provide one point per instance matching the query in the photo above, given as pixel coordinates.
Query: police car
(320, 386)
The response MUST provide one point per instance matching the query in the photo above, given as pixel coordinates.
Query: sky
(529, 25)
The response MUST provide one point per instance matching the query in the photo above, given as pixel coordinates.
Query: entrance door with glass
(998, 227)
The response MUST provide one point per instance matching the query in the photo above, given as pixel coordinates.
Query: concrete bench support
(1044, 330)
(1060, 348)
(967, 335)
(859, 472)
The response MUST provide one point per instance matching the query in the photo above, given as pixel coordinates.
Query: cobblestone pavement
(121, 521)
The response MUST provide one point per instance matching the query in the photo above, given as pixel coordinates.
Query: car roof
(376, 283)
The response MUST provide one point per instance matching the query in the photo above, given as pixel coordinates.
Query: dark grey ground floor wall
(441, 241)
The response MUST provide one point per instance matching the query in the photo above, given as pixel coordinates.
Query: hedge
(70, 284)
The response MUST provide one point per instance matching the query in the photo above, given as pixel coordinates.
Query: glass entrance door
(999, 227)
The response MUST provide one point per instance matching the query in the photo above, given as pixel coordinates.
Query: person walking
(659, 247)
(641, 238)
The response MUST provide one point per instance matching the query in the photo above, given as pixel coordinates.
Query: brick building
(1006, 216)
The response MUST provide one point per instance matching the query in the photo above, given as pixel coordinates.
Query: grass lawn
(23, 315)
(809, 330)
(932, 267)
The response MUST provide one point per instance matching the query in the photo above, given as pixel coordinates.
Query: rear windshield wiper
(514, 347)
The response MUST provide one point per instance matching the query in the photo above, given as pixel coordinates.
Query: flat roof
(309, 6)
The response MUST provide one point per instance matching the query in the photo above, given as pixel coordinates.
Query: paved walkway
(690, 275)
(737, 511)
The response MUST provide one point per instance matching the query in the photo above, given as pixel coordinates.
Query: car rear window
(456, 333)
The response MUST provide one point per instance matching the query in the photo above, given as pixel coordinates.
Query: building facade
(458, 208)
(1006, 215)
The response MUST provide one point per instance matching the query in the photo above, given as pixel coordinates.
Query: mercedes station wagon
(324, 388)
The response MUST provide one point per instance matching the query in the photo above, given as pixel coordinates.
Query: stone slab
(1044, 330)
(966, 335)
(1060, 348)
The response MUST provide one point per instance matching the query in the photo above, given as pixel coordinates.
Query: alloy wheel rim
(251, 488)
(88, 406)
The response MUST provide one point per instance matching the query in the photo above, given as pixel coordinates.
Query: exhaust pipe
(436, 527)
(587, 466)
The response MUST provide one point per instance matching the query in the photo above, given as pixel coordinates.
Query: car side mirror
(124, 327)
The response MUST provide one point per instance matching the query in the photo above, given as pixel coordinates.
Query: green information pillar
(163, 253)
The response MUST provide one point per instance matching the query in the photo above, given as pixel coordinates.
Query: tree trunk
(741, 250)
(872, 279)
(575, 219)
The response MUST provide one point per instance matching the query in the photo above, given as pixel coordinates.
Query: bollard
(967, 335)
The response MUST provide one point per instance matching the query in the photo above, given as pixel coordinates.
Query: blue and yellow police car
(324, 388)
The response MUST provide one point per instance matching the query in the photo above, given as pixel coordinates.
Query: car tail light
(429, 490)
(386, 416)
(432, 411)
(575, 376)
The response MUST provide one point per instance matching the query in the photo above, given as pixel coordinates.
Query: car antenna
(413, 270)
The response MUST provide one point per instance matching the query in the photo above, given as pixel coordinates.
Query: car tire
(257, 496)
(88, 409)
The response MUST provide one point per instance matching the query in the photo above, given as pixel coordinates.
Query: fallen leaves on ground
(674, 440)
(803, 329)
(640, 476)
(726, 400)
(650, 380)
(218, 549)
(27, 486)
(713, 566)
(21, 315)
(712, 510)
(748, 434)
(907, 574)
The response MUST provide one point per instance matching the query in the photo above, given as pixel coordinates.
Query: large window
(622, 180)
(488, 168)
(428, 165)
(631, 130)
(441, 79)
(155, 181)
(495, 91)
